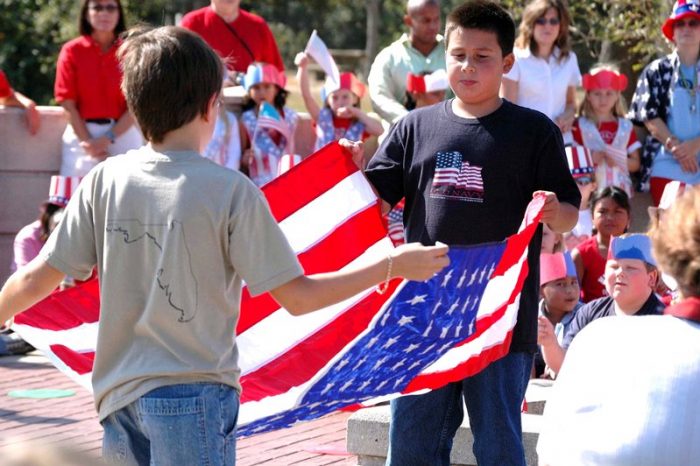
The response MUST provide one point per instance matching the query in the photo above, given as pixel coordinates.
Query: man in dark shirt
(630, 279)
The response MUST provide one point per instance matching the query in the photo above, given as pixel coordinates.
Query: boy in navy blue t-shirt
(468, 168)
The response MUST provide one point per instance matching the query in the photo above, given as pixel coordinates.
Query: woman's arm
(685, 152)
(123, 124)
(566, 119)
(509, 90)
(302, 62)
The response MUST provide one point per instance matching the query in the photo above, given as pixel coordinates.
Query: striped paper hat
(672, 191)
(263, 73)
(631, 246)
(556, 266)
(62, 188)
(347, 81)
(580, 161)
(435, 81)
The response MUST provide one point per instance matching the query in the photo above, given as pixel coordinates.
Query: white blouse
(542, 84)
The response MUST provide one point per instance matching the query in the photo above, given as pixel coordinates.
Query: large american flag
(416, 336)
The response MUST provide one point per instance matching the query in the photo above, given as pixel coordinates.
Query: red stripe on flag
(342, 246)
(304, 360)
(286, 194)
(65, 309)
(79, 362)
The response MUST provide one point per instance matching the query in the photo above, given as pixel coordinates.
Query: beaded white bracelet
(382, 287)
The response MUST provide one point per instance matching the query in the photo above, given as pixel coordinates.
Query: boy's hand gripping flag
(318, 50)
(417, 336)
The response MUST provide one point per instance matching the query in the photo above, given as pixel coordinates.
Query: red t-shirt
(251, 29)
(607, 130)
(592, 282)
(91, 78)
(5, 89)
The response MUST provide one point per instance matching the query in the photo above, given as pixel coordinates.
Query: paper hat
(579, 160)
(435, 81)
(263, 73)
(605, 79)
(631, 246)
(556, 266)
(672, 191)
(347, 81)
(62, 188)
(681, 9)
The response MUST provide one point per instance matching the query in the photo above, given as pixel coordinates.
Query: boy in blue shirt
(468, 167)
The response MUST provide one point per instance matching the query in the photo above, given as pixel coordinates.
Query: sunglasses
(101, 8)
(584, 180)
(691, 23)
(551, 21)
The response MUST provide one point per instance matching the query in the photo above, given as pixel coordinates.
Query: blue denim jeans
(187, 424)
(423, 426)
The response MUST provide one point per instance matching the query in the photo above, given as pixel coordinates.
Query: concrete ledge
(368, 431)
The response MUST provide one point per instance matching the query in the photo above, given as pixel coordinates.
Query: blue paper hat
(632, 246)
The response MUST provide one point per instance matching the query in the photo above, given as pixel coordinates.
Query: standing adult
(667, 102)
(546, 72)
(421, 50)
(238, 36)
(88, 79)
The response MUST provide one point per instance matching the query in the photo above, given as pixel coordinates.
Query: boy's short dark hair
(483, 15)
(170, 75)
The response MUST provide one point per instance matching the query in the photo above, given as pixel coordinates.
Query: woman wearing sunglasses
(546, 73)
(667, 103)
(87, 87)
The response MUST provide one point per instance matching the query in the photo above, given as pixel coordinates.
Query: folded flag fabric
(417, 336)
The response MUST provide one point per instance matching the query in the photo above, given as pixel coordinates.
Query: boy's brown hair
(483, 15)
(676, 242)
(170, 76)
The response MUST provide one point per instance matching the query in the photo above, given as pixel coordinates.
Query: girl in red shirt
(611, 217)
(87, 86)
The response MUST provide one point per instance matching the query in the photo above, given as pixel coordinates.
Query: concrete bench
(368, 431)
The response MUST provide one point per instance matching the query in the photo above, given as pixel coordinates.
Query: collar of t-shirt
(650, 307)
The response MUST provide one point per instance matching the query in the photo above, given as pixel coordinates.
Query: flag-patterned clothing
(327, 131)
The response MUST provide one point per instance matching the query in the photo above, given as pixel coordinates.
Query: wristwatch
(110, 135)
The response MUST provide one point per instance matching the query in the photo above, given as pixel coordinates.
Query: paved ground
(72, 421)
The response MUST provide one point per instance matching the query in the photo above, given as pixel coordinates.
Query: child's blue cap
(632, 246)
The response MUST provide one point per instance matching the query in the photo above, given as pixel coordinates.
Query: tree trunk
(372, 34)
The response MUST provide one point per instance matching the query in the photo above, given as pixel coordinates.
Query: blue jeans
(192, 424)
(423, 426)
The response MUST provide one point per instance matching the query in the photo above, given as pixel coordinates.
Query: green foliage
(32, 31)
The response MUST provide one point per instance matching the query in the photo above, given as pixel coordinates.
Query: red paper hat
(556, 266)
(263, 73)
(580, 161)
(681, 9)
(347, 81)
(435, 81)
(605, 79)
(672, 191)
(62, 188)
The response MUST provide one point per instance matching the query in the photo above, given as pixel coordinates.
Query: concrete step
(368, 431)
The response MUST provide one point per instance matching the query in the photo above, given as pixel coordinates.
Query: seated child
(630, 279)
(582, 170)
(341, 116)
(264, 145)
(425, 89)
(559, 291)
(611, 217)
(173, 237)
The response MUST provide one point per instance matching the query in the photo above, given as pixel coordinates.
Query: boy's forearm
(553, 356)
(26, 287)
(566, 218)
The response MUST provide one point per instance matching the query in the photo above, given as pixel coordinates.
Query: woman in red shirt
(87, 87)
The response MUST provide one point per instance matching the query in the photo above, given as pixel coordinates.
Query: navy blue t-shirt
(605, 307)
(469, 181)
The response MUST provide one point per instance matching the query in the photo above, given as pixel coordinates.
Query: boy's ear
(407, 20)
(212, 108)
(508, 62)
